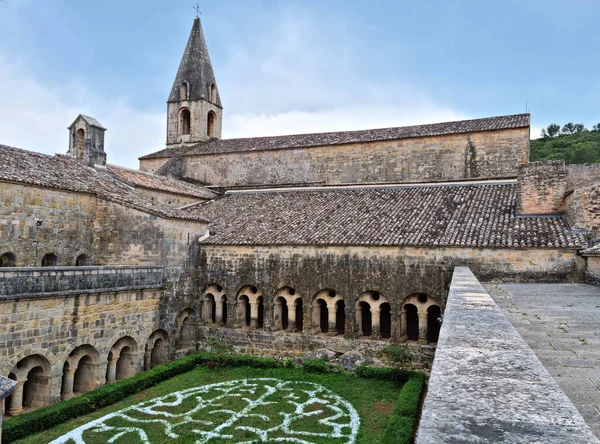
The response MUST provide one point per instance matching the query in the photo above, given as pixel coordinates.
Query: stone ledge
(487, 385)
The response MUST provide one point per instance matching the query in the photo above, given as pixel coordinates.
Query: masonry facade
(275, 245)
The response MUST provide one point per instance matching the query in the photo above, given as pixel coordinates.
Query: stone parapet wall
(583, 209)
(486, 154)
(487, 385)
(542, 187)
(61, 281)
(579, 176)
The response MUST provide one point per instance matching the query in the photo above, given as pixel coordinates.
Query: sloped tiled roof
(160, 183)
(64, 173)
(218, 146)
(452, 215)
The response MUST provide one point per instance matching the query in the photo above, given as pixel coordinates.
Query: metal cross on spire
(197, 8)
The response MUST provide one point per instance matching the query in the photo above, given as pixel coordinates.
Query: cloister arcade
(370, 315)
(40, 383)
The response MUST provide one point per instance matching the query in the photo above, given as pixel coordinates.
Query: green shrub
(386, 374)
(315, 366)
(398, 354)
(401, 427)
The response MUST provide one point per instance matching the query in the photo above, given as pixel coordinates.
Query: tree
(573, 128)
(551, 131)
(584, 153)
(596, 127)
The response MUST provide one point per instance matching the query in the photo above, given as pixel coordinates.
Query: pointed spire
(195, 69)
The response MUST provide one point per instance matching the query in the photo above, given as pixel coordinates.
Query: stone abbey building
(279, 245)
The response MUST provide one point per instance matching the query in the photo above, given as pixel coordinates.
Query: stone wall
(583, 209)
(490, 154)
(17, 283)
(168, 198)
(542, 188)
(580, 176)
(487, 385)
(152, 165)
(199, 110)
(35, 221)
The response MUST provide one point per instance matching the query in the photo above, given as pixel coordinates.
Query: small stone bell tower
(86, 140)
(194, 109)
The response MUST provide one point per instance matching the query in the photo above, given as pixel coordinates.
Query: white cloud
(35, 116)
(287, 81)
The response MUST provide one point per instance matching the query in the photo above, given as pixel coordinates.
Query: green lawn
(312, 403)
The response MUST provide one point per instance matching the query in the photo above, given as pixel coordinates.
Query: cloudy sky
(293, 66)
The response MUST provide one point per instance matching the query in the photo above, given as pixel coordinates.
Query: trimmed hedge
(399, 431)
(50, 416)
(401, 427)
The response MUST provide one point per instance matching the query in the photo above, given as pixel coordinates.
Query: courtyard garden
(241, 399)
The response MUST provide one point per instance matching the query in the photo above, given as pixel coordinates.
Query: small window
(213, 93)
(50, 260)
(8, 260)
(82, 260)
(183, 91)
(211, 124)
(184, 121)
(80, 144)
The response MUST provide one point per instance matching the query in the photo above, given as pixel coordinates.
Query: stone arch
(211, 124)
(8, 259)
(156, 351)
(288, 310)
(49, 260)
(214, 304)
(80, 144)
(32, 374)
(250, 307)
(186, 328)
(385, 320)
(421, 302)
(368, 314)
(184, 90)
(83, 260)
(325, 307)
(81, 371)
(122, 359)
(185, 121)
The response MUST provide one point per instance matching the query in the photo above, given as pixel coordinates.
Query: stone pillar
(422, 327)
(219, 312)
(16, 402)
(67, 389)
(402, 327)
(331, 314)
(348, 323)
(111, 371)
(147, 359)
(358, 316)
(278, 316)
(292, 318)
(253, 314)
(396, 333)
(376, 323)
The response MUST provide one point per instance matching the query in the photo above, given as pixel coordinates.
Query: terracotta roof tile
(218, 146)
(160, 183)
(451, 215)
(64, 173)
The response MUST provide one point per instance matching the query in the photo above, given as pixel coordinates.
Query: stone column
(16, 401)
(348, 323)
(375, 323)
(67, 389)
(278, 316)
(358, 316)
(403, 336)
(219, 312)
(111, 371)
(147, 359)
(253, 314)
(422, 327)
(396, 333)
(331, 314)
(292, 317)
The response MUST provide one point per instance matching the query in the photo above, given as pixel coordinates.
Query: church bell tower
(194, 109)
